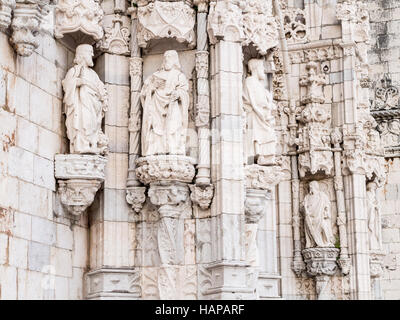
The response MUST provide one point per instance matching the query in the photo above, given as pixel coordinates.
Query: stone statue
(85, 102)
(374, 223)
(260, 136)
(165, 101)
(318, 224)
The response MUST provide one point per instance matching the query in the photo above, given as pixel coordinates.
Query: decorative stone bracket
(79, 178)
(321, 264)
(27, 24)
(202, 195)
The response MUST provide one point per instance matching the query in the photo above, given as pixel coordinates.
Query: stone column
(168, 177)
(135, 193)
(228, 268)
(354, 172)
(112, 273)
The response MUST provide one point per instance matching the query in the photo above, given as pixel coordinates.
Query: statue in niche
(165, 101)
(86, 101)
(260, 136)
(374, 223)
(318, 218)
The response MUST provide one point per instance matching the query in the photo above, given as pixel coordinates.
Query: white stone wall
(41, 256)
(384, 57)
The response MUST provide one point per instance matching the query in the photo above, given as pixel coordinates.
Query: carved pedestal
(79, 178)
(116, 284)
(321, 264)
(167, 177)
(260, 183)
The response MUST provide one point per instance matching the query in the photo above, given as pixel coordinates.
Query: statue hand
(174, 96)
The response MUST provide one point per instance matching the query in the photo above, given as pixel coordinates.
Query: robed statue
(374, 219)
(165, 102)
(85, 102)
(318, 218)
(260, 136)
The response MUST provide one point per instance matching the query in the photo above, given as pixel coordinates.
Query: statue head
(171, 61)
(256, 68)
(314, 187)
(84, 55)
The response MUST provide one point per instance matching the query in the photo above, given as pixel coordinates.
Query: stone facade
(203, 149)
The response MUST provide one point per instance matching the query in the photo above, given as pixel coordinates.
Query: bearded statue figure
(318, 219)
(85, 101)
(165, 101)
(260, 136)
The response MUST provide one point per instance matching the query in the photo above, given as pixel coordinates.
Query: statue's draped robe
(373, 221)
(260, 134)
(84, 109)
(318, 228)
(165, 119)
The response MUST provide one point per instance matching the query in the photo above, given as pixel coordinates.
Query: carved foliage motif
(26, 25)
(295, 25)
(260, 27)
(202, 195)
(79, 15)
(6, 7)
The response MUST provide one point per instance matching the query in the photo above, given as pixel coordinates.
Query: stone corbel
(136, 197)
(26, 25)
(6, 8)
(79, 178)
(80, 20)
(321, 264)
(202, 195)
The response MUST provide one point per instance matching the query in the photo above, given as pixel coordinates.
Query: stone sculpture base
(79, 178)
(321, 264)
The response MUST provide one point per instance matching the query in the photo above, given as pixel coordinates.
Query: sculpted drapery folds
(165, 101)
(318, 219)
(260, 136)
(374, 223)
(85, 102)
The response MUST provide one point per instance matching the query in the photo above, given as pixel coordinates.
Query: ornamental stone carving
(76, 195)
(165, 102)
(318, 218)
(76, 166)
(83, 16)
(165, 168)
(27, 25)
(385, 108)
(136, 197)
(116, 34)
(295, 25)
(6, 8)
(315, 155)
(225, 21)
(262, 177)
(260, 136)
(86, 101)
(165, 20)
(79, 178)
(260, 27)
(202, 195)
